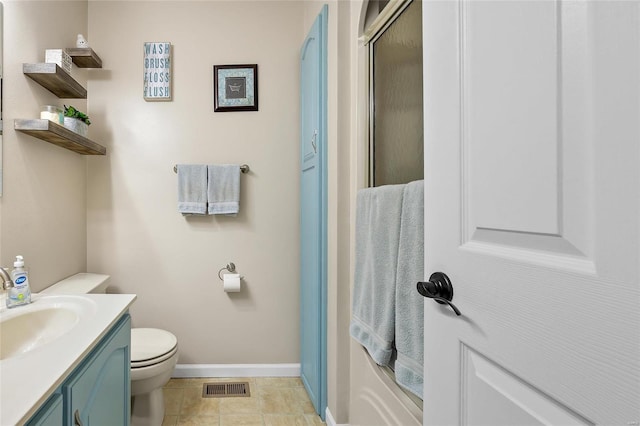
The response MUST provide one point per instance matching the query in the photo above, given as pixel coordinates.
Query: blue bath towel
(409, 305)
(224, 189)
(192, 188)
(376, 258)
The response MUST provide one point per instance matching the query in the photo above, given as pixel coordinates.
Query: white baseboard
(236, 370)
(329, 419)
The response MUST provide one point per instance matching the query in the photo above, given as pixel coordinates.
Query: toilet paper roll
(231, 283)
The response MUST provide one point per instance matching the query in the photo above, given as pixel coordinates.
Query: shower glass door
(396, 136)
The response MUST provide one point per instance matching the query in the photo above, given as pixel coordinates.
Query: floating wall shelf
(58, 135)
(84, 57)
(55, 79)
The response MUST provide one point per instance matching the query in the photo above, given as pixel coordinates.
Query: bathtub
(376, 399)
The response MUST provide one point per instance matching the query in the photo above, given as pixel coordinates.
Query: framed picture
(157, 71)
(235, 87)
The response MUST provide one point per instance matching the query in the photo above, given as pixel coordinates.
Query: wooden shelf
(84, 57)
(55, 79)
(59, 135)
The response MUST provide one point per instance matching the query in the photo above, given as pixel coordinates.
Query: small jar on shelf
(52, 113)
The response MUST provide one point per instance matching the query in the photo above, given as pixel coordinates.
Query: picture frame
(157, 67)
(235, 87)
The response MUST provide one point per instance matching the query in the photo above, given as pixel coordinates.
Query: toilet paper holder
(231, 268)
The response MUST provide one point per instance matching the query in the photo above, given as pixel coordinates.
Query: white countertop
(27, 380)
(82, 283)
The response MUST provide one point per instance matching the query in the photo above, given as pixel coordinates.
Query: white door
(532, 187)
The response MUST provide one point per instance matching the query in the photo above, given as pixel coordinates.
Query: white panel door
(532, 208)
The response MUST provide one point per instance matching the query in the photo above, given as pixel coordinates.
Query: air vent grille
(224, 390)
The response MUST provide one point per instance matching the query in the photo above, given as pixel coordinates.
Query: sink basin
(27, 328)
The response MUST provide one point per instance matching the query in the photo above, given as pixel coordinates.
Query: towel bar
(244, 168)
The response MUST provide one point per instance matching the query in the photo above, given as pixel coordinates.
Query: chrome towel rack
(244, 168)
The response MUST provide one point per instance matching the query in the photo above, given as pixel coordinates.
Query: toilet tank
(81, 283)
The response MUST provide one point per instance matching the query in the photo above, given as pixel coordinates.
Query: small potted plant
(76, 121)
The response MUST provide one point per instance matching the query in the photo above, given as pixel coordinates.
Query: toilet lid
(150, 343)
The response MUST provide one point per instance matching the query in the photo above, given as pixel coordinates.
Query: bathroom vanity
(65, 360)
(98, 389)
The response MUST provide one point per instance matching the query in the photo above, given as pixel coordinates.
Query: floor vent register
(224, 390)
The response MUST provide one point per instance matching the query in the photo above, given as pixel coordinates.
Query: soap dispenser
(20, 293)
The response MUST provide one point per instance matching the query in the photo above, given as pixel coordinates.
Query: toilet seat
(151, 346)
(150, 362)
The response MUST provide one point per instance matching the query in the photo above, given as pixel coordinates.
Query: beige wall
(44, 198)
(135, 233)
(124, 204)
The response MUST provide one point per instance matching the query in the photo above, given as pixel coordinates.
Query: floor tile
(241, 420)
(170, 421)
(175, 383)
(307, 407)
(172, 401)
(198, 420)
(285, 420)
(194, 404)
(240, 405)
(305, 404)
(313, 419)
(287, 382)
(187, 383)
(301, 394)
(279, 401)
(274, 401)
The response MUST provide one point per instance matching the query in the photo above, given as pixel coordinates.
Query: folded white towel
(192, 188)
(224, 189)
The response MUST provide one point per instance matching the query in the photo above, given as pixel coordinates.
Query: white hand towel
(192, 188)
(224, 189)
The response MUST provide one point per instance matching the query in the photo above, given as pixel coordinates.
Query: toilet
(154, 354)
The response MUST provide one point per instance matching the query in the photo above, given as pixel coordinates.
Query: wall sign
(157, 71)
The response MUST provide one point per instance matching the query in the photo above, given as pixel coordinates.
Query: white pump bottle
(20, 293)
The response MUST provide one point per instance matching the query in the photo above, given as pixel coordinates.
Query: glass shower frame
(393, 49)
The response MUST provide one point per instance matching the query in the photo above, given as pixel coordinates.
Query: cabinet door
(99, 391)
(50, 414)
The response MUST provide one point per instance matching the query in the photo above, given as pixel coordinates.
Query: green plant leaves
(71, 111)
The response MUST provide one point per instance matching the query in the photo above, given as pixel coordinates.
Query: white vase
(76, 126)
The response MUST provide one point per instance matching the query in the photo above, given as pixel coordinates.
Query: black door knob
(438, 288)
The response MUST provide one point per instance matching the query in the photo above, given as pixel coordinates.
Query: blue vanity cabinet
(98, 391)
(51, 412)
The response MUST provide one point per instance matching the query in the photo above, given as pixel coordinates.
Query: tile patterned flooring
(274, 401)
